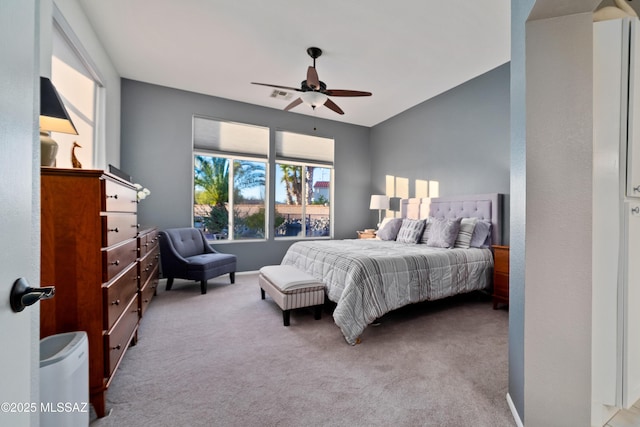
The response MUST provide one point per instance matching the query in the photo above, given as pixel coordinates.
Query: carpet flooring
(225, 359)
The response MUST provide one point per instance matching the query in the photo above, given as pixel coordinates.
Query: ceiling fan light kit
(313, 91)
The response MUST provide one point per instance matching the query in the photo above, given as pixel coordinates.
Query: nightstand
(500, 275)
(367, 234)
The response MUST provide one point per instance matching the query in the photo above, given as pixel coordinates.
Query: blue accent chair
(186, 254)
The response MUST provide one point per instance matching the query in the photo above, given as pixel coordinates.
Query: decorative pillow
(410, 231)
(390, 230)
(481, 235)
(443, 232)
(384, 222)
(425, 234)
(463, 240)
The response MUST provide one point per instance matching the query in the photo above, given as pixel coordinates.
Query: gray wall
(156, 150)
(459, 138)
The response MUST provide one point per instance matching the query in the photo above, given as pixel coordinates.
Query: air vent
(281, 94)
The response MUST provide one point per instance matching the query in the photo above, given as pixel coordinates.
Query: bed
(367, 278)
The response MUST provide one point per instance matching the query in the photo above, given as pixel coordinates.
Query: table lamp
(53, 118)
(380, 202)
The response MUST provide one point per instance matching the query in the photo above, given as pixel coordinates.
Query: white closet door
(631, 280)
(633, 148)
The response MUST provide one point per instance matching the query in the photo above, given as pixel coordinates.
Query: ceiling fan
(313, 91)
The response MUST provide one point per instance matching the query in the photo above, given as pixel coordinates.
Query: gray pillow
(410, 231)
(481, 235)
(463, 240)
(390, 230)
(443, 232)
(425, 233)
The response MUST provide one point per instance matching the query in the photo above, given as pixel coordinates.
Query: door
(19, 207)
(631, 301)
(633, 147)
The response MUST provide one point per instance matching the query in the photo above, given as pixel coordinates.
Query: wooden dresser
(148, 267)
(500, 275)
(90, 253)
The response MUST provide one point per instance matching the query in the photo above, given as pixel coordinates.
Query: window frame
(271, 159)
(304, 165)
(232, 158)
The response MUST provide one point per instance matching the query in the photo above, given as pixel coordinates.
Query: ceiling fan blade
(277, 86)
(312, 78)
(345, 92)
(296, 102)
(332, 106)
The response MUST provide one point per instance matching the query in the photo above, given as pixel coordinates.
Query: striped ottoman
(291, 288)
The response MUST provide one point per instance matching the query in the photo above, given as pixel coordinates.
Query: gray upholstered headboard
(481, 206)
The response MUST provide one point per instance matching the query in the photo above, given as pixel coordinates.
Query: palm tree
(309, 183)
(211, 179)
(292, 178)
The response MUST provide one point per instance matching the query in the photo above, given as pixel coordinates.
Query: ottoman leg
(203, 287)
(169, 283)
(286, 317)
(262, 292)
(317, 312)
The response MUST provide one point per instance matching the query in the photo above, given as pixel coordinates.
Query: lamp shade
(379, 201)
(313, 98)
(53, 114)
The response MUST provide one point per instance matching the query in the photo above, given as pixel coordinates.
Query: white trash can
(64, 380)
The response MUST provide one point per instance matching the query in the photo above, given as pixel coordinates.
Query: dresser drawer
(119, 198)
(147, 242)
(118, 294)
(148, 264)
(148, 290)
(501, 260)
(117, 258)
(117, 228)
(118, 338)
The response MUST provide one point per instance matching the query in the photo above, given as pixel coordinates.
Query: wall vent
(281, 94)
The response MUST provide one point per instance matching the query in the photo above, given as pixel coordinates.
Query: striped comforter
(368, 278)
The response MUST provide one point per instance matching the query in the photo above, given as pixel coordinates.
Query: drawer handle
(115, 196)
(116, 302)
(135, 225)
(146, 244)
(146, 300)
(636, 189)
(635, 210)
(116, 262)
(116, 230)
(118, 347)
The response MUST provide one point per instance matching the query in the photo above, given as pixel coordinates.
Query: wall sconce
(379, 202)
(53, 118)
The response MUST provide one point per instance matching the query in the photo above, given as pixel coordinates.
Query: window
(304, 169)
(78, 83)
(229, 180)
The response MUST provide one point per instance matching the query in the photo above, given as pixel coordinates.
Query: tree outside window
(229, 203)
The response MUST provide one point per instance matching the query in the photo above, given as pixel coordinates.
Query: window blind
(304, 148)
(230, 138)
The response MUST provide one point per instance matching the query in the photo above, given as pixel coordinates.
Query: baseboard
(243, 273)
(514, 412)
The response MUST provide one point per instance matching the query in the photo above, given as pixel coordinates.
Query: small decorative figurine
(74, 160)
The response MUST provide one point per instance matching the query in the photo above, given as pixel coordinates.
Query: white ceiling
(403, 51)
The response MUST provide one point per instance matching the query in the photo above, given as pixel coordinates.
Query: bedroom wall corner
(459, 138)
